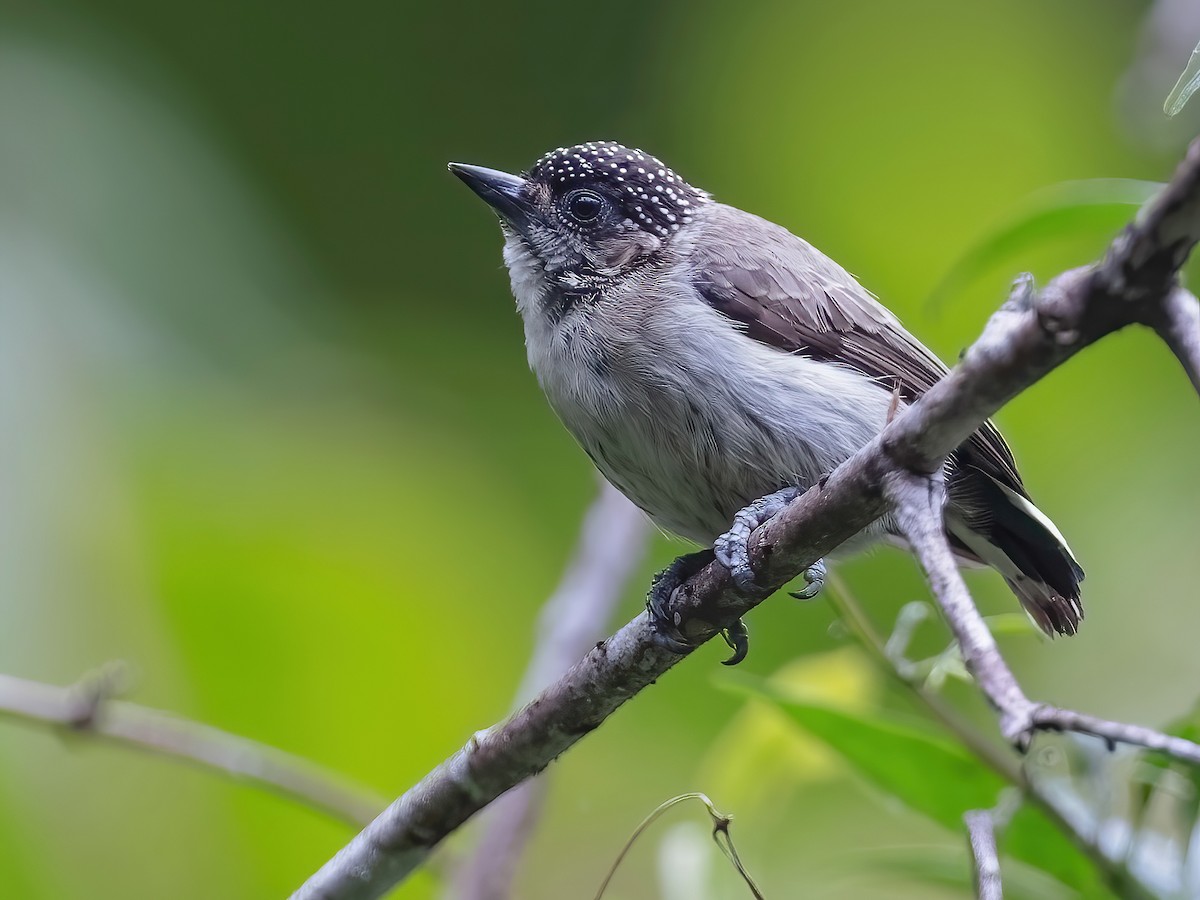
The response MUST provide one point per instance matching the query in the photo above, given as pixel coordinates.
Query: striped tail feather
(1009, 533)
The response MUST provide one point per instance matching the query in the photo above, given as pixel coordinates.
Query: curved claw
(668, 639)
(666, 629)
(732, 548)
(815, 576)
(737, 636)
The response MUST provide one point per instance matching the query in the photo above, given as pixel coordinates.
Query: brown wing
(789, 295)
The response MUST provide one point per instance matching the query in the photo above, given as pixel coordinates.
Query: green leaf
(1188, 84)
(1038, 842)
(1098, 205)
(925, 771)
(761, 756)
(1186, 726)
(944, 865)
(930, 774)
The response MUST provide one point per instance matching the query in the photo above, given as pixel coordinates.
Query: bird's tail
(1020, 542)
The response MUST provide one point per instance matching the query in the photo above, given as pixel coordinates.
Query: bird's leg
(666, 629)
(732, 548)
(733, 551)
(662, 588)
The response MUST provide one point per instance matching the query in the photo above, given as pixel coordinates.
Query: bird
(714, 365)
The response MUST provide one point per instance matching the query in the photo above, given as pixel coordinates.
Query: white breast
(687, 416)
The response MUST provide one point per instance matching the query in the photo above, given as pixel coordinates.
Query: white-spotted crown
(649, 193)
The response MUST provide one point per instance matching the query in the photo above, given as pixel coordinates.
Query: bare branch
(1143, 263)
(918, 500)
(1051, 718)
(1030, 336)
(1178, 325)
(1113, 869)
(982, 833)
(87, 709)
(611, 544)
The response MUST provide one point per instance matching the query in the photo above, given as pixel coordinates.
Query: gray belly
(690, 494)
(691, 466)
(693, 420)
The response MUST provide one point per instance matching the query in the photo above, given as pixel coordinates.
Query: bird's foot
(667, 628)
(732, 548)
(662, 588)
(814, 575)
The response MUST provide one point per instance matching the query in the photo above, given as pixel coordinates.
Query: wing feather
(788, 295)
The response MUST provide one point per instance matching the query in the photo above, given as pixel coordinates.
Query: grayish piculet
(704, 357)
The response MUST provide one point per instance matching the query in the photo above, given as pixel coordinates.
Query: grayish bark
(1179, 327)
(86, 709)
(611, 545)
(981, 834)
(918, 502)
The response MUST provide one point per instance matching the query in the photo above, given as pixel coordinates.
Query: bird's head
(587, 215)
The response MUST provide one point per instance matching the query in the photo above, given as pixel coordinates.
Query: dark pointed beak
(507, 194)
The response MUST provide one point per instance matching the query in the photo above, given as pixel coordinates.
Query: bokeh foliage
(268, 434)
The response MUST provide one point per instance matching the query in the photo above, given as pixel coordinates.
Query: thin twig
(720, 835)
(87, 710)
(850, 611)
(981, 835)
(1051, 718)
(1114, 871)
(1028, 338)
(917, 501)
(610, 547)
(1178, 324)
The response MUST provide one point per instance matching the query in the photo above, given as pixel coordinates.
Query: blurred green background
(267, 432)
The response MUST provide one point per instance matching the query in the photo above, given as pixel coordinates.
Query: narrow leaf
(945, 865)
(1098, 206)
(925, 771)
(930, 774)
(1188, 84)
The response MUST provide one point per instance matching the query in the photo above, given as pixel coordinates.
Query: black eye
(585, 206)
